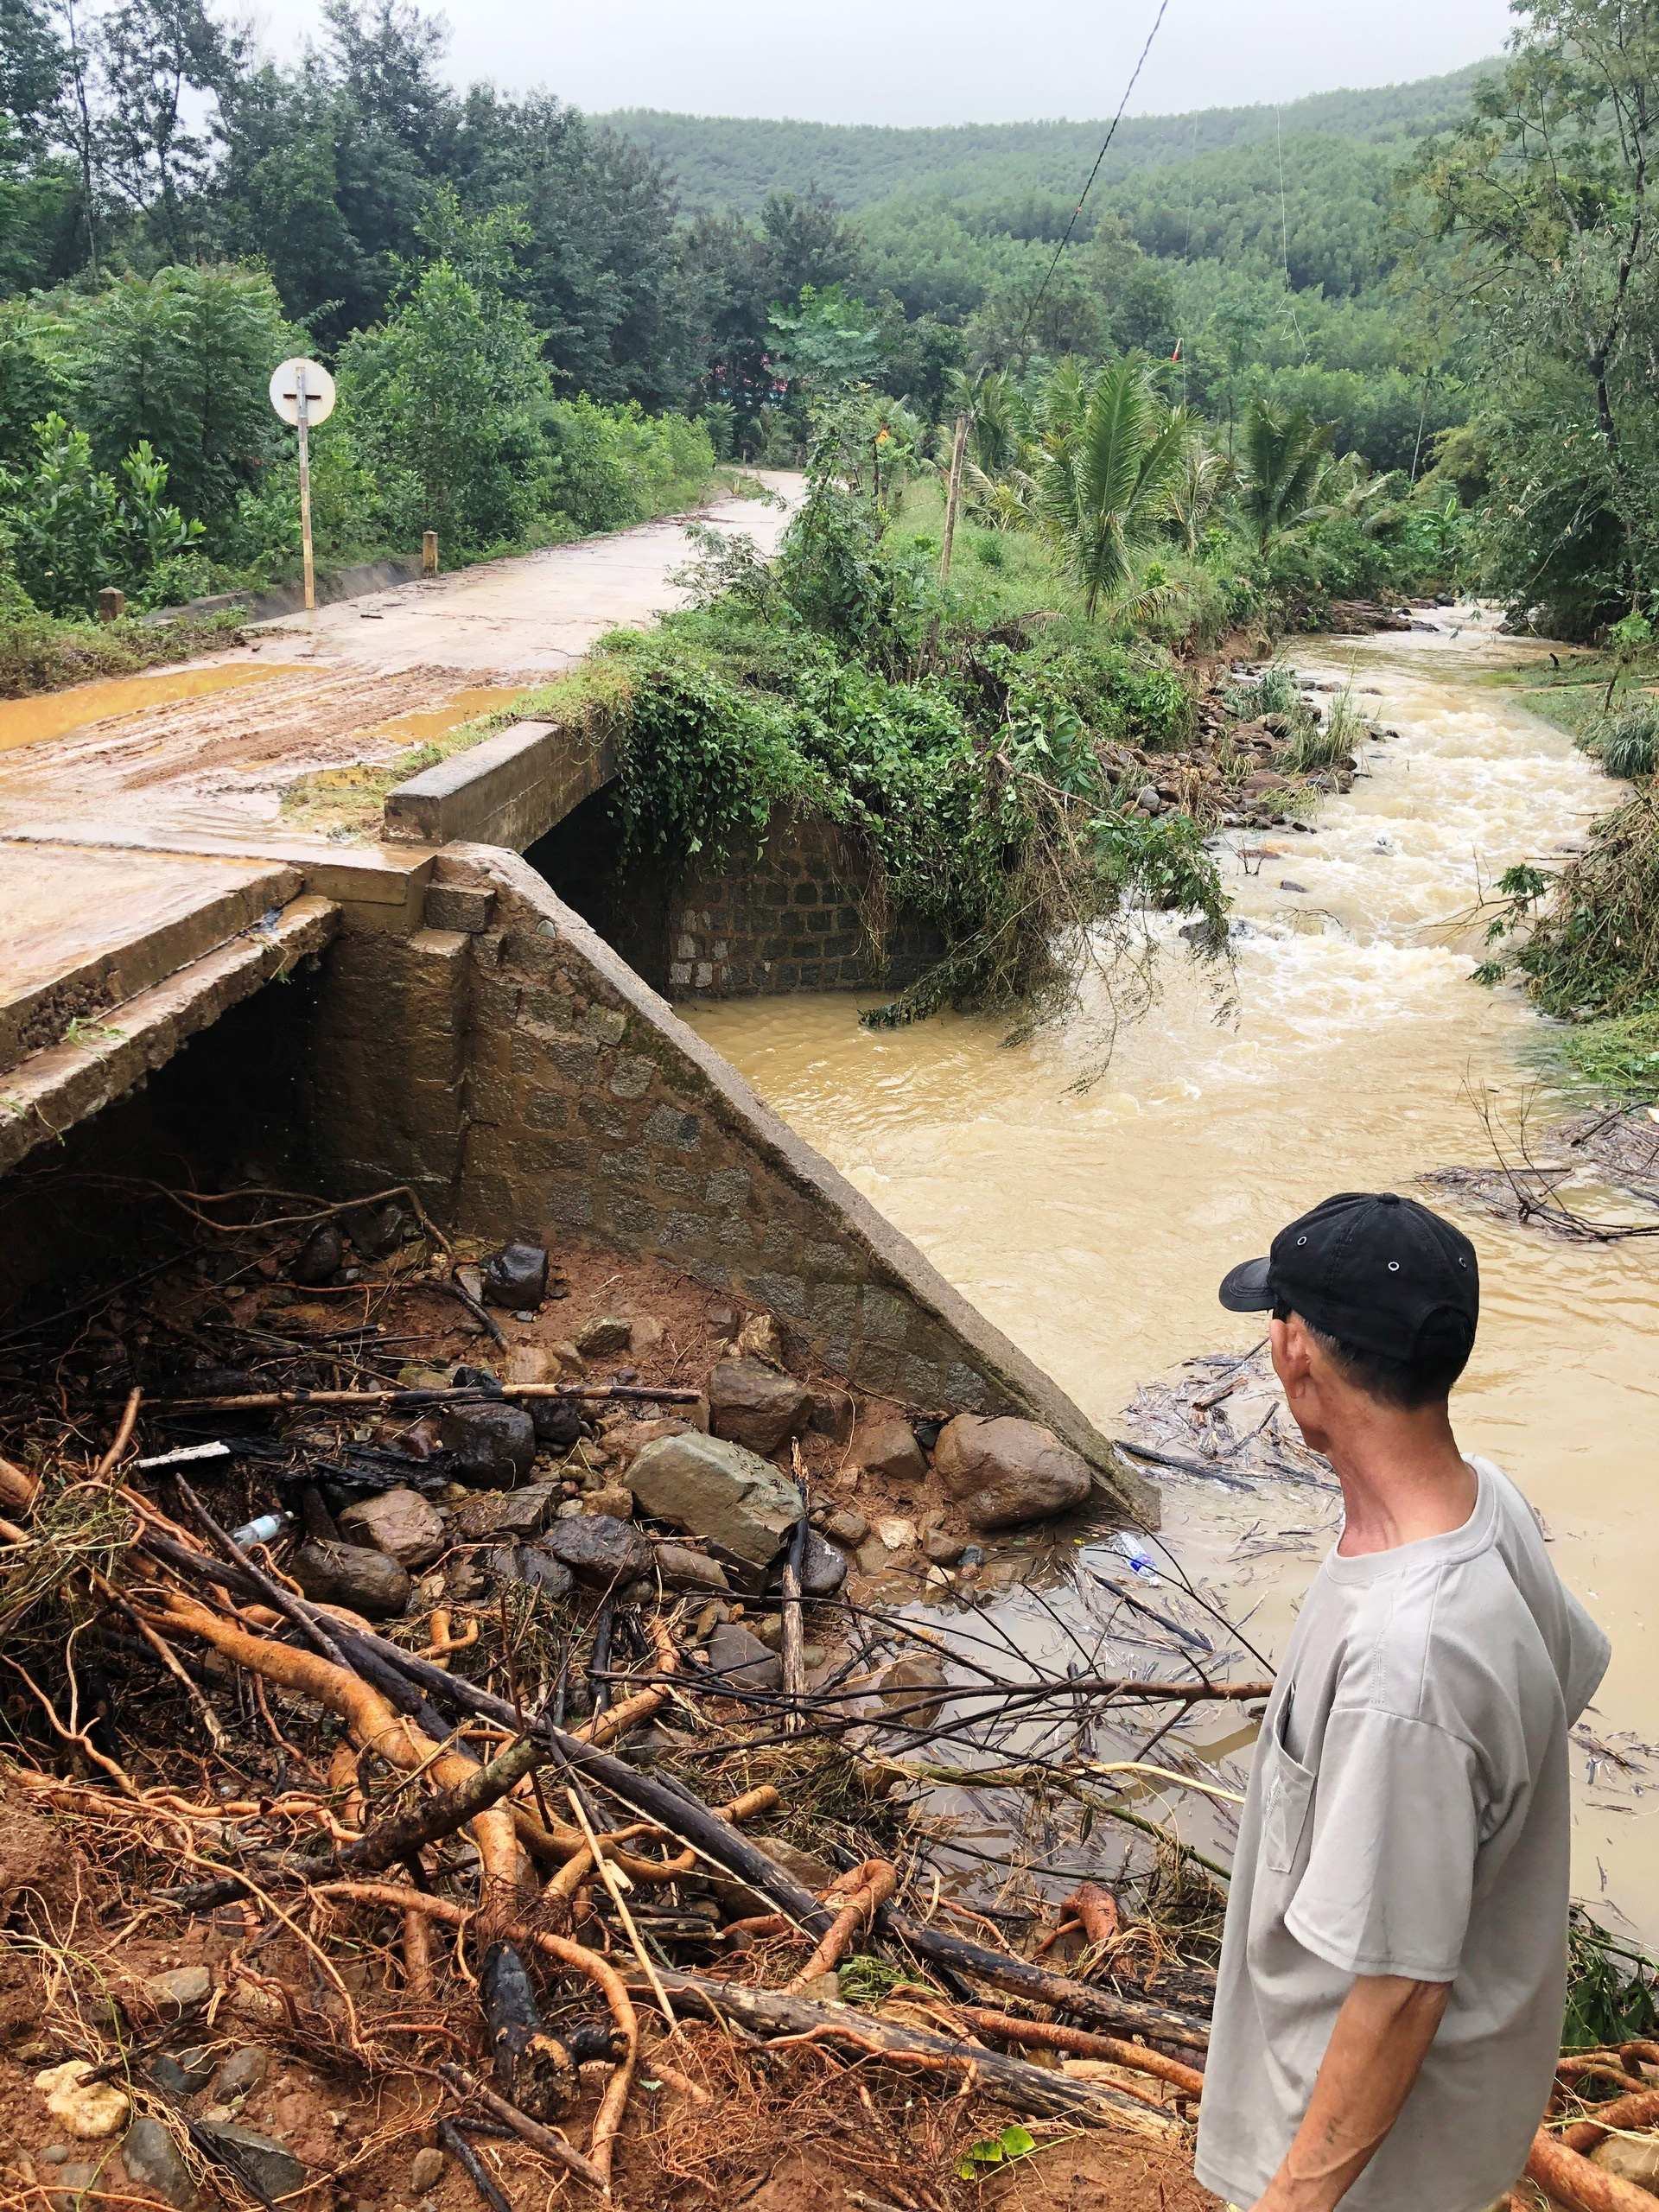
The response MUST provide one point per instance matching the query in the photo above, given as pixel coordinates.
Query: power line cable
(1128, 91)
(1284, 235)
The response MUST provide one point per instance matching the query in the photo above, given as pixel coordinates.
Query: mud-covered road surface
(201, 758)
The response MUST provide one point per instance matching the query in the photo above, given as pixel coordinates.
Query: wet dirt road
(199, 758)
(1093, 1223)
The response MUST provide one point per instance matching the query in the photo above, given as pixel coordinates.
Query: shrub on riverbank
(983, 767)
(1595, 950)
(1620, 1057)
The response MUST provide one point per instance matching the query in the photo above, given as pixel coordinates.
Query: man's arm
(1377, 2049)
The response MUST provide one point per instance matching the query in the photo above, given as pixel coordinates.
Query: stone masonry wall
(504, 1061)
(789, 921)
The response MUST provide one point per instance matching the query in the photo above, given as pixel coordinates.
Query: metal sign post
(303, 393)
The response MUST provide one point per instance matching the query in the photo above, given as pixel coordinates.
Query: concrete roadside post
(430, 553)
(303, 393)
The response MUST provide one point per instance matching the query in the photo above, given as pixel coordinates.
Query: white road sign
(309, 377)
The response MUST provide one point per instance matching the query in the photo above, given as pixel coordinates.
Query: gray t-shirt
(1408, 1813)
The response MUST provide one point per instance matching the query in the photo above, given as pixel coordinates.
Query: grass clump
(1620, 1057)
(42, 652)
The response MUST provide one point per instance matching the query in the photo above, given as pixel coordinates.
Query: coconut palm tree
(1203, 480)
(1284, 454)
(1111, 452)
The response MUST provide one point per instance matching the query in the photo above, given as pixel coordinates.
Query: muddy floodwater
(27, 722)
(1093, 1223)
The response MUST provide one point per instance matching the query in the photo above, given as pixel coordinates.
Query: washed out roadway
(112, 797)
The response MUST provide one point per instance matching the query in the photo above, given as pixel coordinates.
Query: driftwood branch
(1009, 2081)
(1099, 2008)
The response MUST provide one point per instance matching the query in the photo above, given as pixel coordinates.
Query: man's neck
(1403, 1477)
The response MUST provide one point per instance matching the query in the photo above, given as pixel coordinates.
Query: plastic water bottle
(1139, 1554)
(264, 1530)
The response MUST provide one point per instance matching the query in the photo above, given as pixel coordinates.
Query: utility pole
(953, 496)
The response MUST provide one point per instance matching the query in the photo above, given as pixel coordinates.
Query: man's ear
(1293, 1351)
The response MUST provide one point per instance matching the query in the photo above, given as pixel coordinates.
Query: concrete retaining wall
(507, 1062)
(791, 921)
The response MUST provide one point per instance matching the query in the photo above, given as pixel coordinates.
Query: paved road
(130, 811)
(358, 684)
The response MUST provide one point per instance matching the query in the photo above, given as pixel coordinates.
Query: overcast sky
(953, 61)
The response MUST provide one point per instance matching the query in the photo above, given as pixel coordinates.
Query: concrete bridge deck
(145, 824)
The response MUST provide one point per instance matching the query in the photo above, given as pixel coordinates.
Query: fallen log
(1078, 2042)
(1099, 2007)
(1009, 2081)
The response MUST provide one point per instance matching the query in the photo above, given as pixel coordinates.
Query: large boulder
(495, 1443)
(399, 1522)
(710, 1487)
(599, 1550)
(350, 1575)
(751, 1403)
(1000, 1471)
(516, 1276)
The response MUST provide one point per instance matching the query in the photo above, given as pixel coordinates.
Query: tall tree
(1547, 193)
(152, 54)
(1112, 453)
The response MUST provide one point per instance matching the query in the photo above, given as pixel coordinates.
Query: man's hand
(1375, 2052)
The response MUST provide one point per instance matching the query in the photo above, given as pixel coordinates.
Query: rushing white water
(1094, 1224)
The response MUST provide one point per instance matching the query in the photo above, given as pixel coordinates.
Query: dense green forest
(736, 161)
(542, 324)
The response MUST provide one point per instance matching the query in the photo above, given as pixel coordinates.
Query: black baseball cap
(1377, 1271)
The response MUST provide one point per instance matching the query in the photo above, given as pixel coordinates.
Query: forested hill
(736, 161)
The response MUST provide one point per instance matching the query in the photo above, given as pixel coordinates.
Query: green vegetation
(969, 741)
(721, 161)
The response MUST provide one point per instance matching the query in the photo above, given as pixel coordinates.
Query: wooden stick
(792, 1642)
(528, 2130)
(1049, 2035)
(123, 1436)
(471, 2166)
(608, 1874)
(271, 1401)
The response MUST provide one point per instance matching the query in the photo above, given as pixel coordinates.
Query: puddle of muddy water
(1094, 1224)
(27, 722)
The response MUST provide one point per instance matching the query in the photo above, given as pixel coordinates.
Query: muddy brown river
(1093, 1223)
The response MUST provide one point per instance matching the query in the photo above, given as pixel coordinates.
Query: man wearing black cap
(1389, 2015)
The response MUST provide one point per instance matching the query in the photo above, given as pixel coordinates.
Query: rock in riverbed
(715, 1488)
(346, 1574)
(1000, 1471)
(399, 1522)
(494, 1444)
(750, 1402)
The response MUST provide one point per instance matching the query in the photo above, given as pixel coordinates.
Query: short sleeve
(1390, 1869)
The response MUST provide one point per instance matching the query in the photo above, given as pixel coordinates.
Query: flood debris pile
(482, 1723)
(479, 1721)
(1592, 1177)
